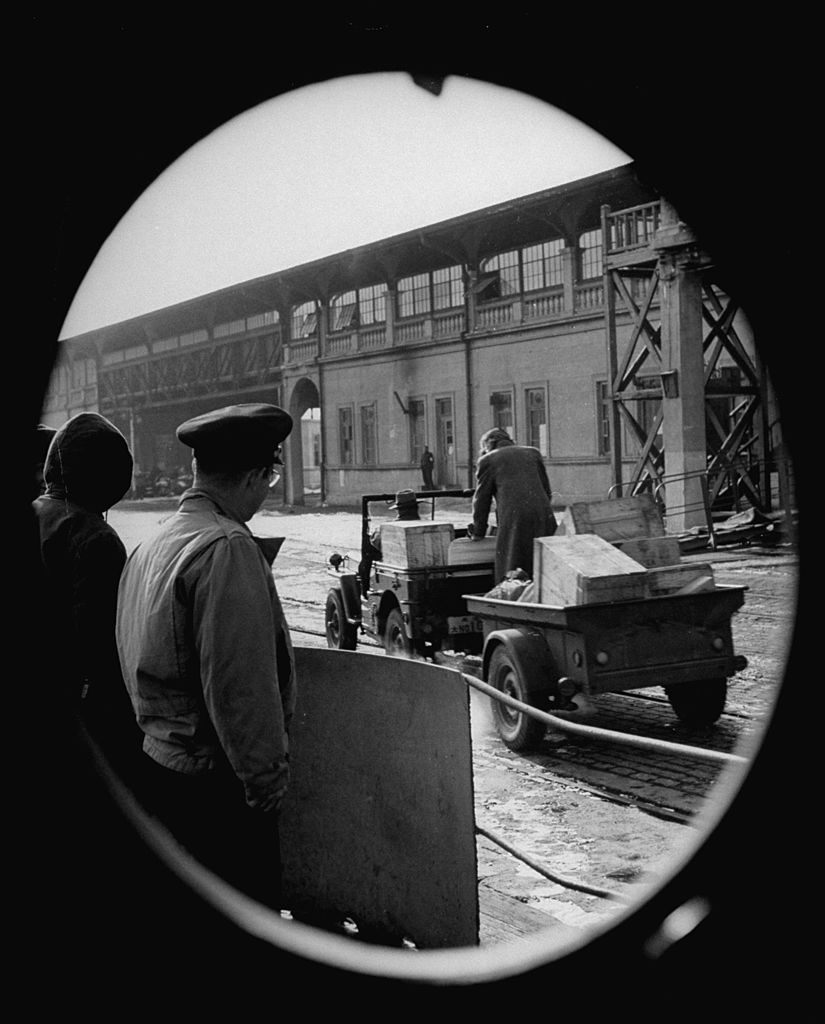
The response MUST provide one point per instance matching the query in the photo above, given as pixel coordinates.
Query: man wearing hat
(514, 477)
(207, 657)
(406, 509)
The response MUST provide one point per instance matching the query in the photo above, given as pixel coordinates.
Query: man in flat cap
(207, 656)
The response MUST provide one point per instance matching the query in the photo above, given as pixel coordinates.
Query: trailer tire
(698, 704)
(341, 635)
(518, 730)
(396, 642)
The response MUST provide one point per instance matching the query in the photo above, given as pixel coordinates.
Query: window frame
(344, 441)
(343, 310)
(587, 260)
(550, 262)
(537, 388)
(511, 405)
(372, 304)
(368, 434)
(309, 323)
(415, 451)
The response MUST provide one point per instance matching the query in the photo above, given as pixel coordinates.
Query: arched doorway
(304, 475)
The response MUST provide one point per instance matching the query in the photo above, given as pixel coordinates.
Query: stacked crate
(613, 550)
(416, 545)
(584, 569)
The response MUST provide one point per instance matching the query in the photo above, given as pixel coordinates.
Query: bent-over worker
(514, 477)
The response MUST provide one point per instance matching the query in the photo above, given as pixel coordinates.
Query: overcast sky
(328, 167)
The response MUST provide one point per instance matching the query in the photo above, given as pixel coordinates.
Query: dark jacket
(514, 476)
(88, 469)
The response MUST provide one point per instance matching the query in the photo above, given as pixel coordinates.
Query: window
(414, 295)
(372, 304)
(536, 406)
(368, 435)
(448, 288)
(304, 320)
(590, 254)
(418, 431)
(542, 265)
(501, 405)
(345, 439)
(498, 276)
(343, 312)
(421, 293)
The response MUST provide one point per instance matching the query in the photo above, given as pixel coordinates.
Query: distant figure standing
(427, 463)
(513, 475)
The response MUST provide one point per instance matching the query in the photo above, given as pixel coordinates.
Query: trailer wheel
(518, 730)
(396, 642)
(341, 635)
(698, 704)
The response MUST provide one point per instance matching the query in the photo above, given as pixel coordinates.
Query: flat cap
(238, 436)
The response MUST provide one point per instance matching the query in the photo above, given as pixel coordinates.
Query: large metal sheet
(378, 825)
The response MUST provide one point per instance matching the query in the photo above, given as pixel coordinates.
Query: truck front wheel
(341, 635)
(518, 730)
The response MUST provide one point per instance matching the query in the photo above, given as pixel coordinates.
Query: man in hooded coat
(88, 469)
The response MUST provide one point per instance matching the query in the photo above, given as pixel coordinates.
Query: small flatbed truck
(412, 611)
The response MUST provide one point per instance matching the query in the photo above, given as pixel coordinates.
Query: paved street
(601, 813)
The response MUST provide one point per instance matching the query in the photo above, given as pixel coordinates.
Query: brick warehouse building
(623, 363)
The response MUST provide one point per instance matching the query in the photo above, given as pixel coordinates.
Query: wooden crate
(651, 551)
(466, 551)
(685, 578)
(584, 569)
(416, 545)
(617, 519)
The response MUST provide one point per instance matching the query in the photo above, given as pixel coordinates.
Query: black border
(717, 127)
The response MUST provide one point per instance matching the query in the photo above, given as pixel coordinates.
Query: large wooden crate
(466, 551)
(651, 551)
(616, 519)
(683, 578)
(416, 545)
(584, 569)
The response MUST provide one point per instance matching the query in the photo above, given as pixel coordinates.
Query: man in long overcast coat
(513, 475)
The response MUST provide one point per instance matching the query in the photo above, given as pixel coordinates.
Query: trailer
(551, 657)
(411, 601)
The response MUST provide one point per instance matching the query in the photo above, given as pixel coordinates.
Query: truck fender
(530, 655)
(351, 596)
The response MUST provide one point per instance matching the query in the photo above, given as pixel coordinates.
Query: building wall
(551, 340)
(566, 361)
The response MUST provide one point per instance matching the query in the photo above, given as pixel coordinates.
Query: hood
(89, 463)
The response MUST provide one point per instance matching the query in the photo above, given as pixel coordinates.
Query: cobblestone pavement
(610, 816)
